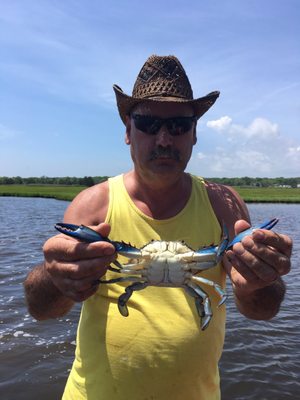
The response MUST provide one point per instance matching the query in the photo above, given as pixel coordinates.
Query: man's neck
(159, 199)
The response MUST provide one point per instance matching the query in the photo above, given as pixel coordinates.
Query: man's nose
(163, 137)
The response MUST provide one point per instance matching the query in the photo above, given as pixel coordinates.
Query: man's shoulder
(217, 191)
(226, 203)
(90, 205)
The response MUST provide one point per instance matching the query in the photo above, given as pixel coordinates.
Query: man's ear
(128, 130)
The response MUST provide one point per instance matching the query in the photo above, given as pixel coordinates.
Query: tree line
(90, 181)
(258, 182)
(45, 180)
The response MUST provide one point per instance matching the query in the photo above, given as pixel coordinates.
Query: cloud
(257, 149)
(259, 128)
(235, 162)
(294, 151)
(220, 124)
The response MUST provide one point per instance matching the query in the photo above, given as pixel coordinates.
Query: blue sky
(59, 60)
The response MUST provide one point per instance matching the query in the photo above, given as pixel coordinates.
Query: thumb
(240, 226)
(102, 228)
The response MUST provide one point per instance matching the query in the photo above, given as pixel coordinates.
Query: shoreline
(69, 196)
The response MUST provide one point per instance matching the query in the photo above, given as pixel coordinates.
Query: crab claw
(268, 225)
(88, 235)
(80, 232)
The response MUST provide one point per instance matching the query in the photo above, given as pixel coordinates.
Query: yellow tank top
(158, 352)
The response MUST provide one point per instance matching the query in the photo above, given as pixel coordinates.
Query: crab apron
(159, 351)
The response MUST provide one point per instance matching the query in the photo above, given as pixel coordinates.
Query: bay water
(261, 359)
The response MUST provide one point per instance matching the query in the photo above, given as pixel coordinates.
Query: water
(260, 359)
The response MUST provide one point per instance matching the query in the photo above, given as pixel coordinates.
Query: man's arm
(43, 298)
(71, 269)
(255, 265)
(261, 304)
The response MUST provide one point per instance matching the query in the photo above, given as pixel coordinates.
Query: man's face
(160, 154)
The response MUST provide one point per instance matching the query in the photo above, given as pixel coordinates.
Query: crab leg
(202, 303)
(207, 257)
(133, 267)
(122, 302)
(123, 279)
(117, 264)
(217, 287)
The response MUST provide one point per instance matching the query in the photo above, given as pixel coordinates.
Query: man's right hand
(75, 267)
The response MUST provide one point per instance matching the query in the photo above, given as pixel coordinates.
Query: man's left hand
(258, 260)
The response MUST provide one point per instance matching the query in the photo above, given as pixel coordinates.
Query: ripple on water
(260, 359)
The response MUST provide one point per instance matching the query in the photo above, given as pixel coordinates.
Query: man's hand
(75, 267)
(256, 263)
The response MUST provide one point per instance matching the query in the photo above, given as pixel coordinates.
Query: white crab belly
(165, 271)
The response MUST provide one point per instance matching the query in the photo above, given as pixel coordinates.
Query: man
(159, 351)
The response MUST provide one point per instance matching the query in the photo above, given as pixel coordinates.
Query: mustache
(165, 152)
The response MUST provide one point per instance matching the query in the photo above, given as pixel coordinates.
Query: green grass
(250, 195)
(269, 195)
(58, 192)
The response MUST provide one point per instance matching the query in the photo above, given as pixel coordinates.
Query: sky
(59, 60)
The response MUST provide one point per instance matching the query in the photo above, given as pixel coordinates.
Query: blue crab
(165, 264)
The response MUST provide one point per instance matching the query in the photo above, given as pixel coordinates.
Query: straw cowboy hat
(162, 80)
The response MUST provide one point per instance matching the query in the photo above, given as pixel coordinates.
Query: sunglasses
(151, 125)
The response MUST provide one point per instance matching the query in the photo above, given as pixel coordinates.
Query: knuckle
(285, 242)
(78, 271)
(52, 268)
(288, 241)
(284, 266)
(48, 247)
(49, 266)
(70, 251)
(249, 258)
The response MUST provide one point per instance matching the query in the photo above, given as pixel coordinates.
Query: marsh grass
(269, 195)
(60, 192)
